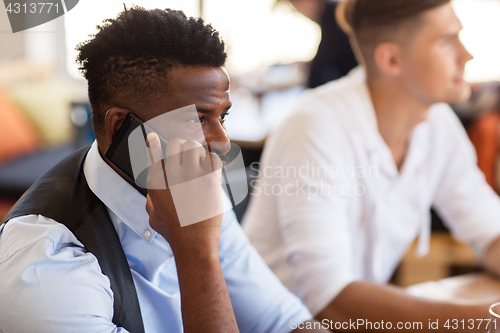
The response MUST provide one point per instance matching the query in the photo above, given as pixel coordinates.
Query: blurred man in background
(347, 182)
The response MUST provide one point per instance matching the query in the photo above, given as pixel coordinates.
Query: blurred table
(476, 287)
(253, 118)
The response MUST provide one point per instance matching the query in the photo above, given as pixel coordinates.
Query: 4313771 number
(32, 8)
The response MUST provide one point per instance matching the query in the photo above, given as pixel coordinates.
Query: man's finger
(192, 152)
(154, 145)
(173, 153)
(212, 162)
(156, 178)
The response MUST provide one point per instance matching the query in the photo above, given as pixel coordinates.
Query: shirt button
(147, 234)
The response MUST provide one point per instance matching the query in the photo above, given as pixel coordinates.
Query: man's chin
(461, 94)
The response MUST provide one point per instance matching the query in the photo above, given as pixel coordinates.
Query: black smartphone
(118, 152)
(119, 155)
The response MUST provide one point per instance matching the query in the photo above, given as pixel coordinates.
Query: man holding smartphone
(80, 253)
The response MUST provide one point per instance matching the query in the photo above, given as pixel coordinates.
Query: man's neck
(397, 112)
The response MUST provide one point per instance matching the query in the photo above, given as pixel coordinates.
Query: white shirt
(331, 207)
(49, 283)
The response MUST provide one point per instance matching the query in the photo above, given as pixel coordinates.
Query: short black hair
(126, 63)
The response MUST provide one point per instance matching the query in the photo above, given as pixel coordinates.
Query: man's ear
(388, 57)
(113, 121)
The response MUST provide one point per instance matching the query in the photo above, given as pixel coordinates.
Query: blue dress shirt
(49, 283)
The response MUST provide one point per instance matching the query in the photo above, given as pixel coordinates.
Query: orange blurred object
(17, 135)
(484, 134)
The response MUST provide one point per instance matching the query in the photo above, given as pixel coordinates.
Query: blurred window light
(481, 37)
(256, 34)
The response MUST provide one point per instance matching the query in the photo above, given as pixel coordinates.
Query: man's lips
(460, 79)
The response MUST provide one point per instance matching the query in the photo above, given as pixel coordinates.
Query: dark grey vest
(63, 194)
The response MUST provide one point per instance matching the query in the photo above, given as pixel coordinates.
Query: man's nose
(220, 148)
(466, 56)
(217, 139)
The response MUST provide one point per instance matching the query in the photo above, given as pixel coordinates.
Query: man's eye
(223, 116)
(195, 120)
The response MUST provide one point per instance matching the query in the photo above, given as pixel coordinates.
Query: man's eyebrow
(207, 111)
(453, 34)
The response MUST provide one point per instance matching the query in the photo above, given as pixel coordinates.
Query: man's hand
(491, 258)
(375, 303)
(191, 182)
(205, 302)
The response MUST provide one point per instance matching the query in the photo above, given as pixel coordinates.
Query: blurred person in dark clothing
(334, 57)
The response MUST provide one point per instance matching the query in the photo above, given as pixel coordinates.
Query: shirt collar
(117, 194)
(378, 151)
